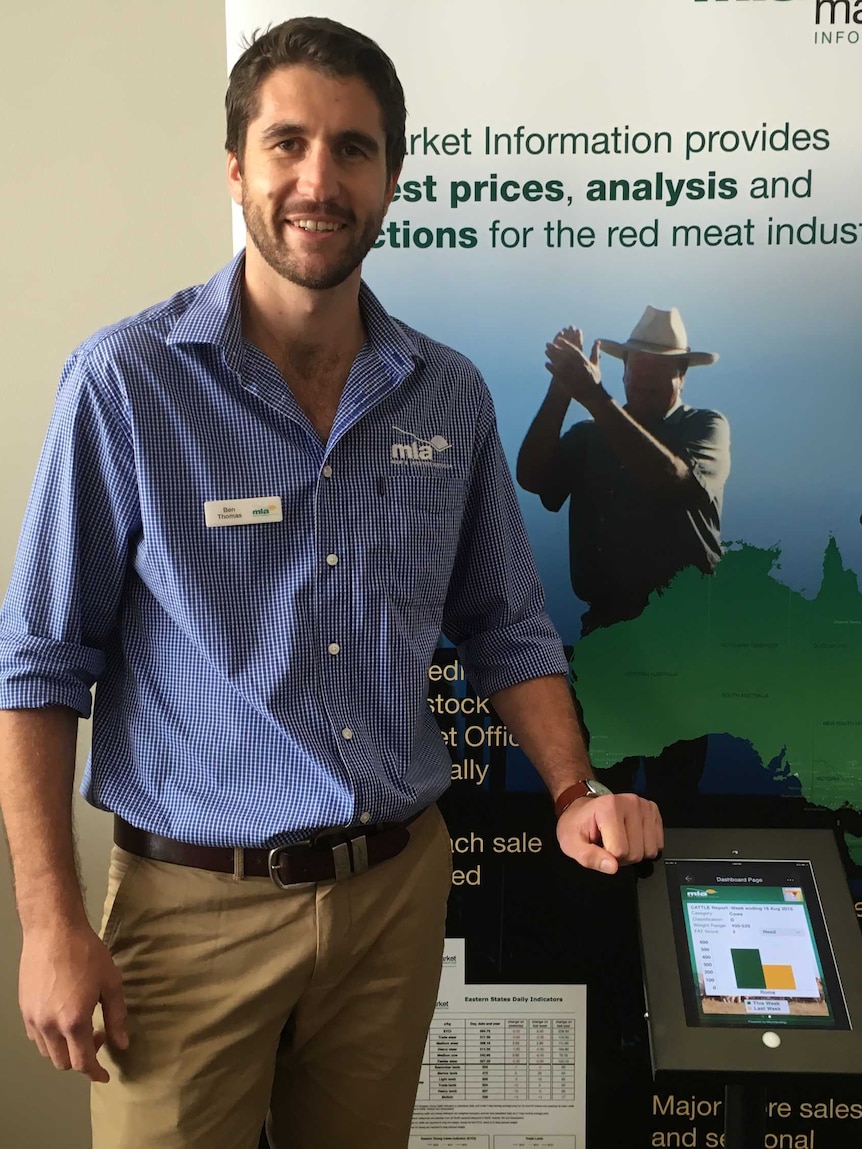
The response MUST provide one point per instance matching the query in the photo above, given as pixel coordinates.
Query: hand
(579, 377)
(64, 974)
(613, 830)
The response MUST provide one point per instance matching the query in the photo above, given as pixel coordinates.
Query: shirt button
(334, 648)
(347, 733)
(327, 472)
(365, 818)
(332, 560)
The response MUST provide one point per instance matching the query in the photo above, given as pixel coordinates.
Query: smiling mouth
(315, 225)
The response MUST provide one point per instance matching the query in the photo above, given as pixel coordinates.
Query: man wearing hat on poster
(644, 483)
(644, 480)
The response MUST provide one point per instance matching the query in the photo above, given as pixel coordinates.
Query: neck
(283, 318)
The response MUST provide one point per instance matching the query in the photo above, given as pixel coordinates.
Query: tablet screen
(752, 945)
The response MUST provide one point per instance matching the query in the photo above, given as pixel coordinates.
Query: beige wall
(113, 197)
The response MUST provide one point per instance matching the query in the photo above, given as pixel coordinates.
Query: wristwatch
(580, 789)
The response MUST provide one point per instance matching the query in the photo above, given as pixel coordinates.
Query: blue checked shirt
(266, 676)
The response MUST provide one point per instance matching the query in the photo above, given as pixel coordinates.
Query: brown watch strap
(570, 794)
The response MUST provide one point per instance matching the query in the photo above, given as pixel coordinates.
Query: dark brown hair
(331, 48)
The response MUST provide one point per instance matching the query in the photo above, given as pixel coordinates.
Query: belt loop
(238, 863)
(359, 852)
(341, 861)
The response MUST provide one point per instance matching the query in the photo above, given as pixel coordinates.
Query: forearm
(600, 833)
(538, 451)
(541, 716)
(37, 770)
(640, 452)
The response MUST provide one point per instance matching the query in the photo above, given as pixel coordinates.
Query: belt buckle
(349, 854)
(273, 862)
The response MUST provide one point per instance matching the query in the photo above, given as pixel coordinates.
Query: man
(227, 534)
(644, 483)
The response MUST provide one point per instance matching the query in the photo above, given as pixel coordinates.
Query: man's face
(312, 180)
(653, 384)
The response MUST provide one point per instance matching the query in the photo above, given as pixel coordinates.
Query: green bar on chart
(748, 969)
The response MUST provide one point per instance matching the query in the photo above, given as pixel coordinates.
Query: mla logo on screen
(836, 21)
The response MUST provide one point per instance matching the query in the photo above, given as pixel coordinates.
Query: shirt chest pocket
(422, 524)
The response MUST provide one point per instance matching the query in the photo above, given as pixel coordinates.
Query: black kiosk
(752, 961)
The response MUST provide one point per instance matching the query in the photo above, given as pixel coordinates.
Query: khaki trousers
(312, 1003)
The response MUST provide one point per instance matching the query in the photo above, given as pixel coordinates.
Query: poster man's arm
(65, 969)
(640, 452)
(537, 457)
(600, 833)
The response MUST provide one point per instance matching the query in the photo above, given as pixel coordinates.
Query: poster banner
(678, 175)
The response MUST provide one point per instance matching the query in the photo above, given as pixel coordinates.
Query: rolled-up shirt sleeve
(495, 610)
(566, 469)
(706, 449)
(82, 516)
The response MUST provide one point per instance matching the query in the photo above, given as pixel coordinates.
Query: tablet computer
(752, 954)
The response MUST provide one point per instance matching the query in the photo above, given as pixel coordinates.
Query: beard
(294, 267)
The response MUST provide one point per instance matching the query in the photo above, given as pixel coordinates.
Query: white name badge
(238, 512)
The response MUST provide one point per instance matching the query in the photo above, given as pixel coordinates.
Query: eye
(353, 151)
(290, 145)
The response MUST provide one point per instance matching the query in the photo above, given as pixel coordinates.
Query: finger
(612, 828)
(565, 348)
(37, 1039)
(595, 353)
(580, 838)
(82, 1054)
(653, 831)
(578, 339)
(98, 1042)
(634, 837)
(644, 830)
(595, 858)
(57, 1050)
(98, 1039)
(570, 339)
(115, 1017)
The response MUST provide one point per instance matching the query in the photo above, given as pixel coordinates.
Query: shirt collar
(395, 346)
(215, 317)
(676, 412)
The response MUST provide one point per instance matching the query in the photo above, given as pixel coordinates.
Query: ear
(234, 178)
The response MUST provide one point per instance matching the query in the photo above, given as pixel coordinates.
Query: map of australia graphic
(739, 653)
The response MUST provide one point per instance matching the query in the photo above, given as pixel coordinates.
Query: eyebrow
(283, 128)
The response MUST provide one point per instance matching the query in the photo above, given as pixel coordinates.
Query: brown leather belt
(330, 856)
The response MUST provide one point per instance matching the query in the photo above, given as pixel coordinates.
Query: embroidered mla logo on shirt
(418, 450)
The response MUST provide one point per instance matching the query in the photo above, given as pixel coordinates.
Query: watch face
(596, 788)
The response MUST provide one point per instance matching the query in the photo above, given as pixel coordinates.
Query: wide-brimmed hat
(660, 333)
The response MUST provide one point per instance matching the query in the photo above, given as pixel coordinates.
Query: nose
(317, 176)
